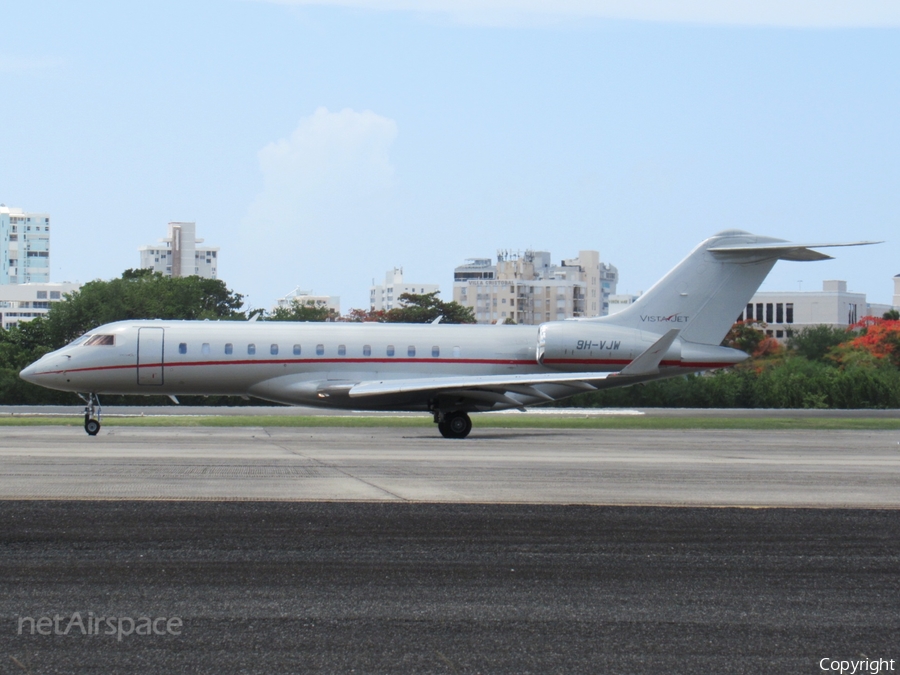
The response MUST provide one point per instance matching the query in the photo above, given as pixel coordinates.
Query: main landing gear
(91, 413)
(454, 424)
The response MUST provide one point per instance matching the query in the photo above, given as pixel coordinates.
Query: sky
(321, 143)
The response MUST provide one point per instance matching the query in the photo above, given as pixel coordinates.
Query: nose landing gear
(91, 413)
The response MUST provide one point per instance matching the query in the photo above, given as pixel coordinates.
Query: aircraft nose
(29, 374)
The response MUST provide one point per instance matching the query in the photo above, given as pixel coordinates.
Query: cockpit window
(77, 341)
(95, 340)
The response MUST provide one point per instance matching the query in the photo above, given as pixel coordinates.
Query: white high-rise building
(178, 255)
(528, 289)
(25, 243)
(386, 297)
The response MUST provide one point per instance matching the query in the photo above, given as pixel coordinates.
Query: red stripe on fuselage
(491, 362)
(258, 362)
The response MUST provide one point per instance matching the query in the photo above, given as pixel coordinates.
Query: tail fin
(707, 290)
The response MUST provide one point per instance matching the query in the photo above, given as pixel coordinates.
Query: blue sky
(319, 144)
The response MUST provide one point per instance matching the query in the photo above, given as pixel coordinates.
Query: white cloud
(328, 157)
(322, 187)
(789, 13)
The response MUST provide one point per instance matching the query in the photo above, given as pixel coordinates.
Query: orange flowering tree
(749, 336)
(879, 337)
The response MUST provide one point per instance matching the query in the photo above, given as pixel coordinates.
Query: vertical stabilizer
(703, 295)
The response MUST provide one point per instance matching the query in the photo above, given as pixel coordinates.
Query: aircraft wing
(497, 388)
(488, 382)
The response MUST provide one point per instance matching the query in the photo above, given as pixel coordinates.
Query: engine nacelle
(593, 346)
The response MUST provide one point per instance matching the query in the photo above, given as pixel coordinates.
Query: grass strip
(483, 421)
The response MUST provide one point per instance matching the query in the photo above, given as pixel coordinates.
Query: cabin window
(229, 348)
(204, 348)
(342, 350)
(273, 350)
(367, 350)
(390, 350)
(320, 350)
(296, 350)
(456, 352)
(96, 340)
(435, 351)
(182, 348)
(411, 350)
(251, 349)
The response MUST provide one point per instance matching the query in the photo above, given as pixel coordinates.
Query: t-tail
(705, 292)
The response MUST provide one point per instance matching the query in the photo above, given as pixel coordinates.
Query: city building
(385, 297)
(25, 242)
(528, 289)
(179, 255)
(785, 312)
(897, 292)
(307, 298)
(23, 302)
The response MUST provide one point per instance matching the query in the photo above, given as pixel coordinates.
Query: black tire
(92, 427)
(455, 425)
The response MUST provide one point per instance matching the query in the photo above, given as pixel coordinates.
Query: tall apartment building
(528, 289)
(385, 297)
(25, 243)
(179, 255)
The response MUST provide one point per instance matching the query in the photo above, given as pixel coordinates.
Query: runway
(280, 587)
(386, 550)
(823, 469)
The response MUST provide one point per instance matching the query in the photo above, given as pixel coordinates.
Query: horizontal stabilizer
(783, 250)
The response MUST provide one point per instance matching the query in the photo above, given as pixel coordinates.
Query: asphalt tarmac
(280, 587)
(275, 550)
(823, 469)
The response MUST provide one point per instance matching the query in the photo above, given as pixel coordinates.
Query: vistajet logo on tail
(672, 318)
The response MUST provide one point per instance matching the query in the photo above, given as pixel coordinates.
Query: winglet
(647, 363)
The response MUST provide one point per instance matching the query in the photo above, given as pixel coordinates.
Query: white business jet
(448, 370)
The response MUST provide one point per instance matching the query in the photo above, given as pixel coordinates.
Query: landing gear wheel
(91, 414)
(455, 425)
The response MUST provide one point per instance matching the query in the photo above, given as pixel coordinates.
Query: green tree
(139, 294)
(418, 308)
(302, 312)
(815, 342)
